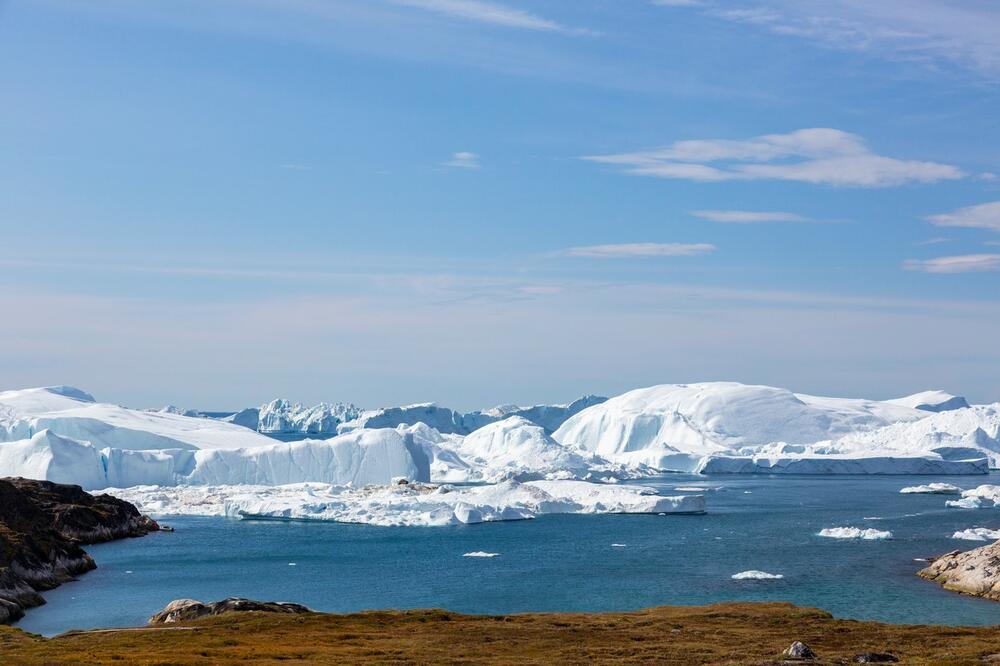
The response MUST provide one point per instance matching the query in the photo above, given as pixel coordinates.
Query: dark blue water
(558, 563)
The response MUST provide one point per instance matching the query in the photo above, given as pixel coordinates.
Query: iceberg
(932, 489)
(72, 413)
(671, 427)
(281, 416)
(871, 463)
(369, 456)
(977, 534)
(406, 504)
(756, 575)
(931, 401)
(854, 533)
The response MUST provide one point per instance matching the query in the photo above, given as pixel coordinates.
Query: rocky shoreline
(974, 572)
(43, 526)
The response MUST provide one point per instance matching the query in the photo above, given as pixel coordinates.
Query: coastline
(733, 633)
(42, 528)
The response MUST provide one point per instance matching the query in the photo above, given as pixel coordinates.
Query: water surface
(559, 563)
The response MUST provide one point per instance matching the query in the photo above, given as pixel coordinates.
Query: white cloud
(816, 155)
(965, 263)
(489, 12)
(934, 241)
(463, 160)
(748, 216)
(632, 250)
(931, 32)
(678, 3)
(983, 216)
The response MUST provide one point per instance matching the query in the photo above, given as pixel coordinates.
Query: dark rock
(181, 610)
(42, 526)
(798, 650)
(875, 658)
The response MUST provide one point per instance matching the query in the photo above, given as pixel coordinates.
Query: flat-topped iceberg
(368, 456)
(872, 462)
(407, 504)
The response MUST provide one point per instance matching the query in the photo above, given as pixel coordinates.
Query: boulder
(975, 572)
(798, 650)
(183, 610)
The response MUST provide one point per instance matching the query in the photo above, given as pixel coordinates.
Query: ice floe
(932, 489)
(977, 534)
(406, 504)
(756, 575)
(854, 533)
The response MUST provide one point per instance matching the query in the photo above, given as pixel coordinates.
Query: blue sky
(474, 202)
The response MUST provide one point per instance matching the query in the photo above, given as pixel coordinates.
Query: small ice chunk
(292, 564)
(854, 533)
(753, 574)
(965, 503)
(617, 545)
(977, 534)
(932, 489)
(479, 553)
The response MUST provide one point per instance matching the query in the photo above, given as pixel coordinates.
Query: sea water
(560, 562)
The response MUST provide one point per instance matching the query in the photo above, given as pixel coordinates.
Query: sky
(212, 203)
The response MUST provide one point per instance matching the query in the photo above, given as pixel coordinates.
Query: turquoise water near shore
(559, 562)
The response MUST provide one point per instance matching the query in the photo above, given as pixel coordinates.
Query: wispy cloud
(748, 216)
(933, 241)
(983, 216)
(678, 3)
(492, 13)
(633, 250)
(292, 166)
(965, 263)
(463, 160)
(922, 31)
(817, 155)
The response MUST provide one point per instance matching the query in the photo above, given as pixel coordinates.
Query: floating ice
(932, 489)
(977, 534)
(756, 575)
(416, 504)
(479, 553)
(854, 533)
(965, 503)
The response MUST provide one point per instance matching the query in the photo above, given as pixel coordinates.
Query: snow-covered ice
(480, 553)
(411, 504)
(932, 401)
(932, 489)
(673, 426)
(756, 575)
(854, 533)
(977, 534)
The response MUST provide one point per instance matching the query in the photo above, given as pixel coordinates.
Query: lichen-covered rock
(42, 527)
(975, 572)
(181, 610)
(799, 650)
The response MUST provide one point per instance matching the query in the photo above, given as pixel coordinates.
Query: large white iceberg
(932, 401)
(75, 414)
(282, 416)
(409, 504)
(364, 457)
(673, 426)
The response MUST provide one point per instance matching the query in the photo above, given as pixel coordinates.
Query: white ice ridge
(977, 534)
(673, 426)
(932, 401)
(367, 456)
(932, 489)
(409, 504)
(756, 575)
(854, 533)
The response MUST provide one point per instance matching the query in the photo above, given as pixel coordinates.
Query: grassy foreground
(720, 634)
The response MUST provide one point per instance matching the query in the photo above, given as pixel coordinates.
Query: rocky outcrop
(182, 610)
(975, 572)
(42, 528)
